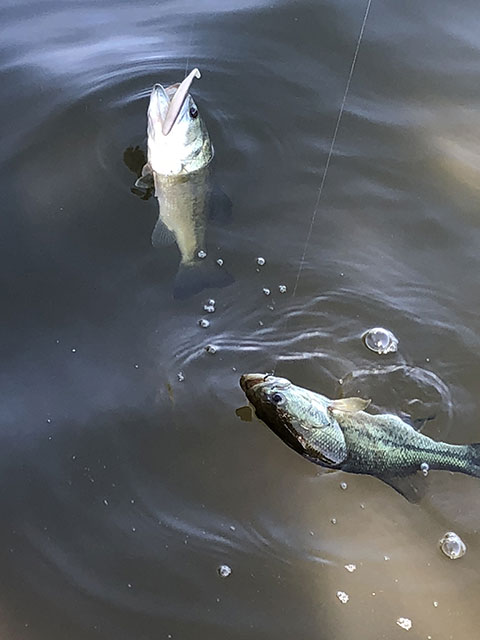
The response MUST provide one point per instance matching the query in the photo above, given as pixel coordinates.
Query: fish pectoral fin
(161, 235)
(349, 405)
(144, 184)
(413, 487)
(147, 171)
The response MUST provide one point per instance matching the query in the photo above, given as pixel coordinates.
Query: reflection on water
(126, 486)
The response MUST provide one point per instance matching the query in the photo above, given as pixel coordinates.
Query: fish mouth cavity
(250, 380)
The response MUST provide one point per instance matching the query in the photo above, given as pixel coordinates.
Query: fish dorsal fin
(177, 101)
(349, 405)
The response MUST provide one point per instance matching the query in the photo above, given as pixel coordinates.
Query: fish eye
(277, 398)
(193, 112)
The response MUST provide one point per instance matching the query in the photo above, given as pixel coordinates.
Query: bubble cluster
(204, 323)
(282, 288)
(209, 306)
(180, 376)
(452, 545)
(202, 254)
(266, 291)
(343, 597)
(405, 623)
(424, 468)
(380, 340)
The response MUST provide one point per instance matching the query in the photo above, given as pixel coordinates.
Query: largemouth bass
(339, 434)
(179, 155)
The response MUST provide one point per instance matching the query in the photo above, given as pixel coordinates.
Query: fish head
(178, 140)
(300, 417)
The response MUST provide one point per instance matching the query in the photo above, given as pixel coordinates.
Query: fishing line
(332, 146)
(189, 46)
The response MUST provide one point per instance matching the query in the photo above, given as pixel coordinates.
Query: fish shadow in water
(134, 159)
(195, 275)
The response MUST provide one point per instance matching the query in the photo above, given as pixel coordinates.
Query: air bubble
(350, 567)
(180, 376)
(452, 545)
(210, 348)
(220, 262)
(260, 261)
(202, 254)
(204, 323)
(380, 340)
(405, 623)
(424, 468)
(266, 291)
(343, 485)
(224, 570)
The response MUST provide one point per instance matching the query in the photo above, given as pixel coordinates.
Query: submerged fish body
(178, 167)
(339, 434)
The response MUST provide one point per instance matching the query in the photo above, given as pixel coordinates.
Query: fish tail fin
(193, 277)
(474, 459)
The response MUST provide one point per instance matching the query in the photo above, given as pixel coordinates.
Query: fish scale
(339, 434)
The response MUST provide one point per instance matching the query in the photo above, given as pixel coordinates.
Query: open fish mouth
(178, 100)
(250, 380)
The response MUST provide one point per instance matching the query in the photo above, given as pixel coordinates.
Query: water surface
(123, 488)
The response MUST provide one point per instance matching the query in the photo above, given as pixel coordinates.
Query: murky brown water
(124, 489)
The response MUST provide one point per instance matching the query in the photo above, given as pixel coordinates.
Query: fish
(178, 169)
(340, 434)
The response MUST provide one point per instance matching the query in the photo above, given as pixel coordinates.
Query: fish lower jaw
(168, 170)
(172, 160)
